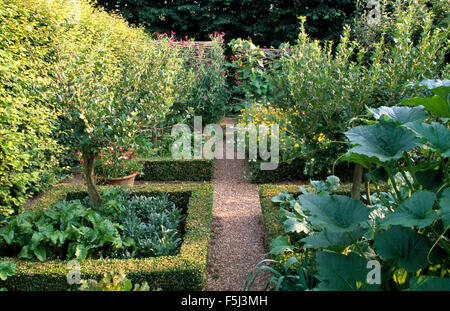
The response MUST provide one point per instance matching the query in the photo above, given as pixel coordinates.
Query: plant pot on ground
(116, 165)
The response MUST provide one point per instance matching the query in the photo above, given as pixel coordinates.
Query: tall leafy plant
(110, 90)
(404, 227)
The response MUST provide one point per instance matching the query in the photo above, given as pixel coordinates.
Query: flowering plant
(116, 161)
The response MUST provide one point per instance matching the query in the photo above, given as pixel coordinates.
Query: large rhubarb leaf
(342, 273)
(417, 211)
(336, 213)
(385, 140)
(400, 114)
(403, 245)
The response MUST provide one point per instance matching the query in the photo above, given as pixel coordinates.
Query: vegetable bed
(183, 271)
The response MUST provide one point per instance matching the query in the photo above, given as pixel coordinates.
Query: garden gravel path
(237, 240)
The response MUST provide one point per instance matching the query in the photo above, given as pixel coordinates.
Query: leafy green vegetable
(400, 114)
(416, 211)
(337, 213)
(436, 135)
(384, 140)
(408, 248)
(340, 272)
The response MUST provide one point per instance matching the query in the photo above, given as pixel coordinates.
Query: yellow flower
(296, 145)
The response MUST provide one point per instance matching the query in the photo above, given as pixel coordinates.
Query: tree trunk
(94, 196)
(357, 180)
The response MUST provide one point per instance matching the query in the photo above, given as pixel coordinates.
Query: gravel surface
(237, 230)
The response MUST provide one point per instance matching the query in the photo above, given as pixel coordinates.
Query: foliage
(28, 151)
(168, 169)
(7, 269)
(113, 282)
(329, 87)
(404, 227)
(184, 271)
(114, 161)
(206, 91)
(66, 230)
(268, 22)
(150, 225)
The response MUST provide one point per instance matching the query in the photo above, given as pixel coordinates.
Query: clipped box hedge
(185, 271)
(293, 171)
(167, 169)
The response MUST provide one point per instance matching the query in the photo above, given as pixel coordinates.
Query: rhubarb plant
(402, 227)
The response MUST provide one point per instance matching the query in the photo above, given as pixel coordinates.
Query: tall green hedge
(185, 271)
(268, 22)
(45, 72)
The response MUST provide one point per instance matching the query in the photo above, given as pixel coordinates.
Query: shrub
(28, 152)
(167, 169)
(404, 227)
(206, 90)
(330, 87)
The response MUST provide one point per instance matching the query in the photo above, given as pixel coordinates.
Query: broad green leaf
(296, 225)
(437, 135)
(40, 253)
(342, 273)
(408, 248)
(417, 211)
(7, 234)
(362, 159)
(445, 208)
(332, 240)
(429, 283)
(7, 269)
(280, 245)
(436, 105)
(384, 140)
(400, 114)
(81, 252)
(337, 213)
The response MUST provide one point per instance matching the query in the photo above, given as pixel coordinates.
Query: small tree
(109, 93)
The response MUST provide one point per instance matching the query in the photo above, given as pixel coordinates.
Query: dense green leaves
(338, 213)
(400, 114)
(7, 269)
(404, 246)
(435, 105)
(385, 140)
(429, 283)
(280, 245)
(268, 22)
(416, 211)
(437, 136)
(342, 273)
(445, 207)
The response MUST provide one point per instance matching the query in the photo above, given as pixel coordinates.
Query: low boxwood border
(167, 169)
(293, 171)
(185, 271)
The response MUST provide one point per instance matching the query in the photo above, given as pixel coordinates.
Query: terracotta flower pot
(126, 181)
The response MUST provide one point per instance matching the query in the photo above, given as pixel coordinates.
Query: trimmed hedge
(293, 171)
(167, 169)
(185, 271)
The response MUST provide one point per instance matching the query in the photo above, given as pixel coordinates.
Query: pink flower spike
(173, 33)
(206, 97)
(82, 161)
(198, 78)
(185, 37)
